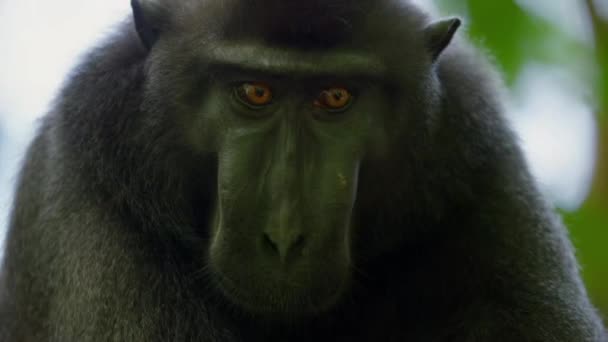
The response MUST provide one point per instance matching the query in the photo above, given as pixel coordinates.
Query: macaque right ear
(439, 34)
(148, 16)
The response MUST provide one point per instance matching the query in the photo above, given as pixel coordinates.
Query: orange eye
(255, 93)
(334, 99)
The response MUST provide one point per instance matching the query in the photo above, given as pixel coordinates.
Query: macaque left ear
(148, 17)
(439, 34)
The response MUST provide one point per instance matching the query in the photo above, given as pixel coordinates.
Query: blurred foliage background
(519, 33)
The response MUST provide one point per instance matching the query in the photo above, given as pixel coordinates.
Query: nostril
(283, 246)
(298, 243)
(269, 244)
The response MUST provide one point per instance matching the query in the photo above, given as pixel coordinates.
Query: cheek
(337, 184)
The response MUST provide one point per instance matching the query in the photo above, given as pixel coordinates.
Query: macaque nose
(283, 244)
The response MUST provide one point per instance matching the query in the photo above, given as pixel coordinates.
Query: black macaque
(285, 170)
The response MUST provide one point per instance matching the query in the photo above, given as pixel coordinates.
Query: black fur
(110, 220)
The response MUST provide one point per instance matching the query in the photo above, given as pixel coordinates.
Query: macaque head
(294, 98)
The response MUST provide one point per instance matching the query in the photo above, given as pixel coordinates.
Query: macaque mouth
(283, 297)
